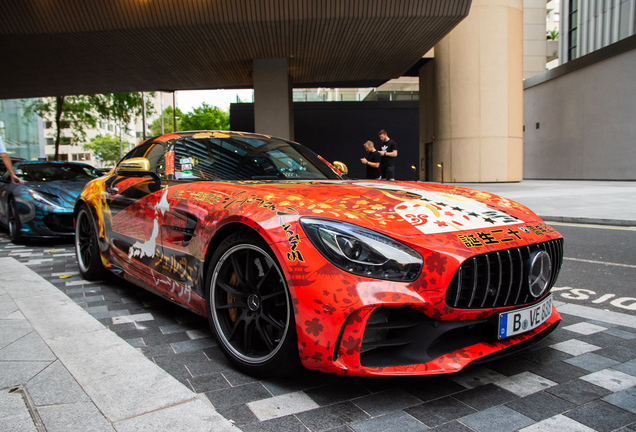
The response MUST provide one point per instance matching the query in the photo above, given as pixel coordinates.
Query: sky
(189, 99)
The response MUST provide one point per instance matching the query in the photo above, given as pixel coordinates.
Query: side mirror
(138, 167)
(340, 166)
(135, 164)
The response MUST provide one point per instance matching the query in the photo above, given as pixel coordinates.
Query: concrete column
(273, 107)
(479, 103)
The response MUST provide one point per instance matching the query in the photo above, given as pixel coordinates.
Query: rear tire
(249, 307)
(15, 227)
(87, 247)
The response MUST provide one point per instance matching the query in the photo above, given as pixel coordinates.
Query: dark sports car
(43, 206)
(292, 263)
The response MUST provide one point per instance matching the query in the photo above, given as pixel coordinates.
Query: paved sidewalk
(577, 201)
(62, 370)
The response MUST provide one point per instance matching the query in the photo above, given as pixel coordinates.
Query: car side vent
(500, 279)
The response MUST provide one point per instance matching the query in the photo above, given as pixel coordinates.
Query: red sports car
(292, 263)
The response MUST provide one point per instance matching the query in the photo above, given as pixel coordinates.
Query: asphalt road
(599, 267)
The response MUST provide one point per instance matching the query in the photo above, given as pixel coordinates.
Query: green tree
(205, 117)
(82, 112)
(168, 122)
(107, 146)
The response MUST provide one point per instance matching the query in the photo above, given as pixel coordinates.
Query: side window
(192, 160)
(156, 157)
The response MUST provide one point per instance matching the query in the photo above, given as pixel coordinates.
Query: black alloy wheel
(249, 307)
(15, 228)
(86, 246)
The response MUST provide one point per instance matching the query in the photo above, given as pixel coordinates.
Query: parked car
(292, 264)
(43, 206)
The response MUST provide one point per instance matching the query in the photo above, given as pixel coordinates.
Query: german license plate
(522, 320)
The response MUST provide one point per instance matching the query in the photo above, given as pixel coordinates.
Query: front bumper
(403, 341)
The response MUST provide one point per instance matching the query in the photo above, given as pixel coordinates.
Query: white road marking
(627, 303)
(600, 262)
(609, 227)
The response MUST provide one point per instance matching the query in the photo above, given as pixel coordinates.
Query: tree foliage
(168, 122)
(107, 146)
(82, 112)
(205, 117)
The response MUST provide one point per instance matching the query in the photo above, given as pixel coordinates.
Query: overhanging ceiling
(67, 47)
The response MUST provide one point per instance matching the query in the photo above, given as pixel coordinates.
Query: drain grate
(28, 402)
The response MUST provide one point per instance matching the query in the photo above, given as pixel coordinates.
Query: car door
(182, 262)
(133, 225)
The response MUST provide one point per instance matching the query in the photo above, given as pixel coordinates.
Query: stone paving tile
(625, 399)
(332, 416)
(541, 405)
(287, 424)
(473, 377)
(386, 401)
(525, 383)
(486, 396)
(499, 418)
(559, 372)
(592, 362)
(238, 395)
(578, 391)
(453, 426)
(623, 352)
(334, 393)
(207, 383)
(429, 388)
(627, 367)
(585, 328)
(545, 356)
(304, 380)
(440, 411)
(601, 416)
(575, 347)
(557, 423)
(611, 380)
(283, 405)
(623, 334)
(399, 421)
(192, 345)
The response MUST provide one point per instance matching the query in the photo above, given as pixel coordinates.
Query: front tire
(87, 247)
(249, 307)
(15, 227)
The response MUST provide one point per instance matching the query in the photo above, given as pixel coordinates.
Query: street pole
(143, 113)
(120, 153)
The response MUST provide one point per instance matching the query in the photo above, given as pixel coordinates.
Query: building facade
(579, 117)
(22, 136)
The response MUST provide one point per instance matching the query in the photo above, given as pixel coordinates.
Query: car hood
(66, 191)
(401, 209)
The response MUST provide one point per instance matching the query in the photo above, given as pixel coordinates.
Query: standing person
(372, 161)
(7, 163)
(388, 151)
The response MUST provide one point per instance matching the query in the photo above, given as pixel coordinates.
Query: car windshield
(246, 158)
(51, 172)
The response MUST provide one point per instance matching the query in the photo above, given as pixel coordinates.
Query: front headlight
(45, 198)
(361, 251)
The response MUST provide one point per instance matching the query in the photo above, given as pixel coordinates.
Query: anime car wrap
(43, 206)
(290, 261)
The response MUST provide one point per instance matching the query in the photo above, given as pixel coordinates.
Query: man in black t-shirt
(388, 151)
(372, 161)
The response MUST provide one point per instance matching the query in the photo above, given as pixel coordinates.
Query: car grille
(498, 279)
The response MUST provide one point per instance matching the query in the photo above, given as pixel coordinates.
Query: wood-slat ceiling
(60, 47)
